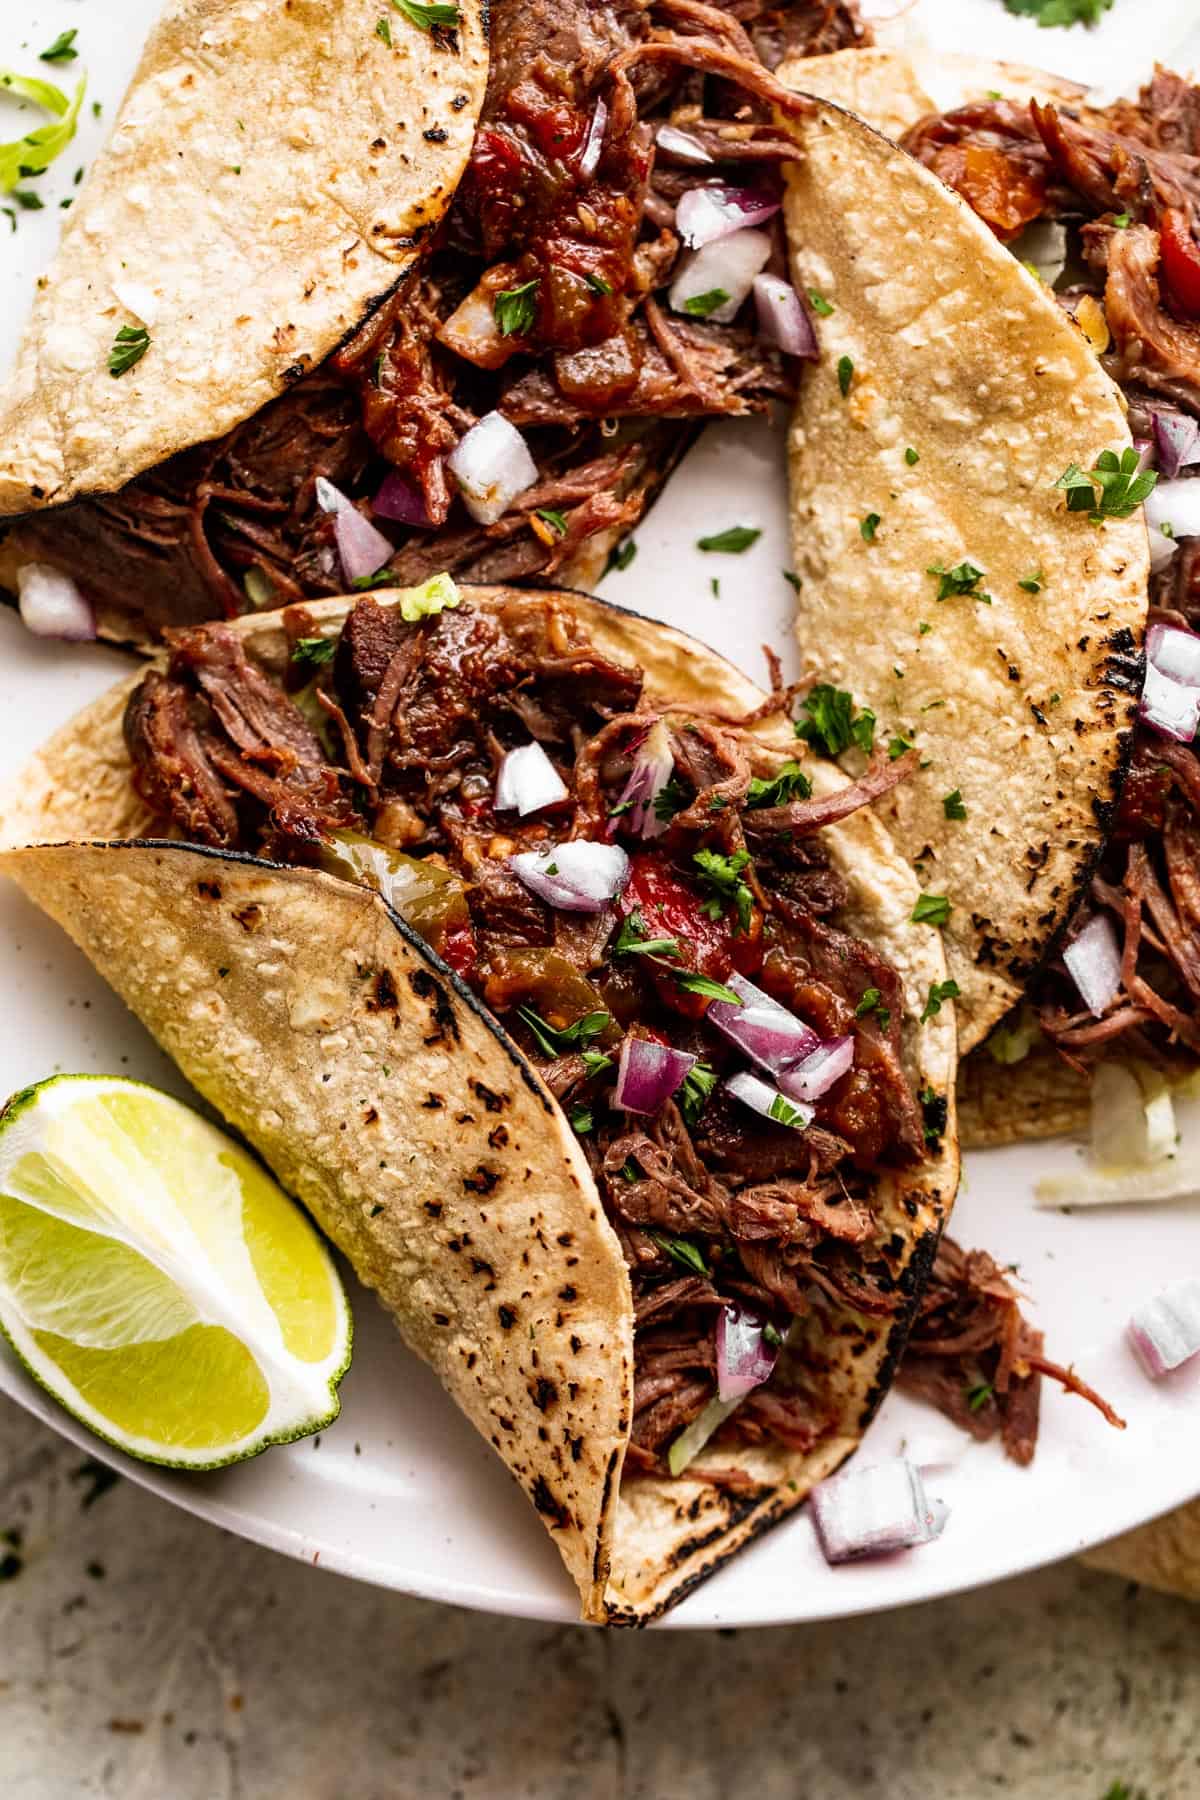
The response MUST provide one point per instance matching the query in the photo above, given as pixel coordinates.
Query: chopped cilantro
(792, 579)
(1113, 489)
(620, 556)
(581, 1119)
(516, 309)
(923, 627)
(705, 986)
(380, 579)
(129, 346)
(1033, 584)
(1122, 221)
(978, 1397)
(633, 940)
(912, 457)
(773, 1336)
(697, 1088)
(721, 875)
(1054, 698)
(312, 652)
(1060, 12)
(731, 542)
(26, 199)
(700, 306)
(870, 1003)
(953, 804)
(681, 1251)
(868, 528)
(62, 49)
(833, 723)
(596, 1063)
(715, 587)
(552, 1040)
(820, 305)
(427, 16)
(938, 991)
(931, 909)
(791, 783)
(383, 29)
(964, 578)
(598, 284)
(557, 521)
(845, 374)
(669, 800)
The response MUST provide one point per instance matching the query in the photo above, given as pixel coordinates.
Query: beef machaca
(688, 925)
(546, 296)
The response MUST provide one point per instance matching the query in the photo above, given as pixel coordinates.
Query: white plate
(401, 1491)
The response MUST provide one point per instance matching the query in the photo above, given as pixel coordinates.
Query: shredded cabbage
(1134, 1140)
(30, 154)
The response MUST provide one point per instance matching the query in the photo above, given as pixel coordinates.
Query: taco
(300, 419)
(551, 1130)
(1106, 198)
(940, 572)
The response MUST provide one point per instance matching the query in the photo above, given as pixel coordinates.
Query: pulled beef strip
(973, 1356)
(713, 1204)
(234, 524)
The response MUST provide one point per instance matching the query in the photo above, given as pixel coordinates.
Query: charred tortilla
(981, 621)
(485, 1235)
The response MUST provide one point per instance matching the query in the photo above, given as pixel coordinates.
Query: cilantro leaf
(681, 1251)
(845, 374)
(598, 284)
(869, 1002)
(931, 909)
(129, 346)
(791, 783)
(897, 747)
(632, 939)
(1033, 584)
(953, 804)
(582, 1119)
(516, 309)
(620, 556)
(938, 991)
(427, 16)
(700, 306)
(868, 528)
(792, 579)
(383, 29)
(552, 1041)
(704, 985)
(596, 1063)
(62, 49)
(964, 578)
(312, 652)
(833, 723)
(820, 305)
(669, 800)
(557, 521)
(979, 1396)
(731, 542)
(1060, 12)
(1112, 489)
(721, 875)
(912, 457)
(697, 1088)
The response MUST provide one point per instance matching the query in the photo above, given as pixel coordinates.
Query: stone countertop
(145, 1655)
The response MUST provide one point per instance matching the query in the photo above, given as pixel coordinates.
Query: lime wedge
(156, 1279)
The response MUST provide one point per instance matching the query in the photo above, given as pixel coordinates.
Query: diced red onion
(682, 145)
(528, 781)
(692, 1439)
(728, 265)
(763, 1030)
(782, 320)
(704, 214)
(1162, 549)
(361, 549)
(52, 606)
(653, 766)
(1169, 707)
(1094, 964)
(574, 877)
(761, 1098)
(1165, 1332)
(874, 1511)
(1177, 505)
(492, 467)
(1177, 440)
(648, 1074)
(818, 1072)
(1175, 653)
(593, 143)
(398, 499)
(744, 1358)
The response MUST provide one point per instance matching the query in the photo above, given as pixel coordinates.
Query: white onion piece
(574, 877)
(1132, 1125)
(782, 320)
(1162, 549)
(653, 767)
(648, 1074)
(52, 606)
(727, 266)
(1177, 504)
(593, 143)
(528, 780)
(691, 1441)
(1169, 707)
(704, 214)
(473, 331)
(492, 467)
(761, 1098)
(1175, 653)
(1173, 1178)
(818, 1072)
(761, 1029)
(330, 499)
(873, 1511)
(1043, 245)
(744, 1359)
(1165, 1332)
(1094, 964)
(682, 145)
(1177, 440)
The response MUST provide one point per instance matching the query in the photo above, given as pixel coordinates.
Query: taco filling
(641, 895)
(1107, 201)
(559, 303)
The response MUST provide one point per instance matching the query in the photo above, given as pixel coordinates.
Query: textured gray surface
(147, 1656)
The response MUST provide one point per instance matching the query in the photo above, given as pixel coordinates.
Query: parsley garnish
(312, 652)
(582, 1119)
(381, 578)
(552, 1041)
(25, 198)
(693, 1096)
(833, 723)
(383, 29)
(598, 284)
(979, 1396)
(869, 527)
(912, 457)
(596, 1063)
(938, 991)
(516, 309)
(845, 374)
(870, 1003)
(731, 542)
(682, 1252)
(1111, 490)
(785, 1113)
(715, 586)
(773, 1336)
(129, 346)
(964, 578)
(701, 305)
(61, 50)
(722, 876)
(897, 747)
(1060, 12)
(792, 579)
(555, 520)
(791, 783)
(819, 303)
(428, 16)
(621, 555)
(669, 800)
(953, 804)
(1032, 584)
(931, 909)
(704, 985)
(633, 941)
(923, 627)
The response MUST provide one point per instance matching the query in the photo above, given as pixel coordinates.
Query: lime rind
(49, 1132)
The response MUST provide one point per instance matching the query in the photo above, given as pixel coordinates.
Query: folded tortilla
(968, 394)
(324, 154)
(381, 1093)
